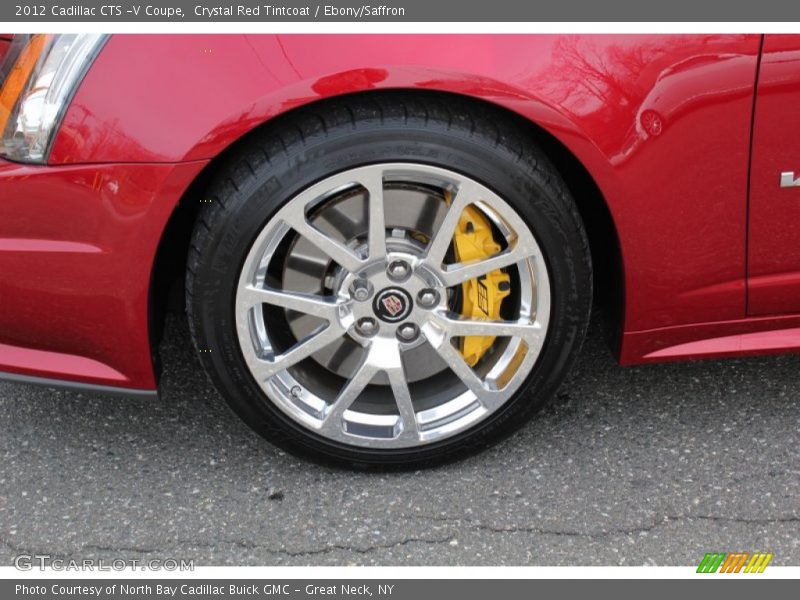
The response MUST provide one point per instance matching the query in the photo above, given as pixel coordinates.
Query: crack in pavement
(119, 549)
(478, 525)
(355, 549)
(181, 545)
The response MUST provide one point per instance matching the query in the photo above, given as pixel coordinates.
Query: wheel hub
(377, 296)
(392, 305)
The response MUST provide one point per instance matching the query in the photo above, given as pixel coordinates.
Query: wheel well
(607, 265)
(167, 282)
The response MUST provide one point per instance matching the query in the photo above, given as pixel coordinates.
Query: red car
(389, 246)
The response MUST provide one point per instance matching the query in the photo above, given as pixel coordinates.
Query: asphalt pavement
(651, 465)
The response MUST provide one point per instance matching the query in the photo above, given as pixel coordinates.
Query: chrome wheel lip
(410, 428)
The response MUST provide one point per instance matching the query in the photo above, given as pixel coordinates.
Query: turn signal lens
(39, 75)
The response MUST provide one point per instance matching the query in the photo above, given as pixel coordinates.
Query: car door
(774, 221)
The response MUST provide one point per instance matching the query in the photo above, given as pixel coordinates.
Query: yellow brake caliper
(483, 296)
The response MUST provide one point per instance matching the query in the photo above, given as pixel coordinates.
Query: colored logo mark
(734, 562)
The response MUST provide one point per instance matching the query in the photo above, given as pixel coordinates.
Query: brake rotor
(412, 215)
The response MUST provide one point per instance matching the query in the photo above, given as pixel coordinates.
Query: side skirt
(753, 336)
(76, 386)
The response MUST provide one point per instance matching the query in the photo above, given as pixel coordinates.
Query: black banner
(264, 11)
(399, 589)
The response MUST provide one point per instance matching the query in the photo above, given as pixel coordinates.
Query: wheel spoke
(385, 354)
(376, 236)
(461, 272)
(385, 357)
(463, 371)
(402, 396)
(337, 251)
(267, 367)
(324, 307)
(350, 392)
(465, 195)
(530, 332)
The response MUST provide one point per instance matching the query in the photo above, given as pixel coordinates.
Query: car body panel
(678, 200)
(77, 246)
(774, 238)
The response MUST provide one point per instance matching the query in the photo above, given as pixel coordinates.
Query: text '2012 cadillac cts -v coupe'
(388, 246)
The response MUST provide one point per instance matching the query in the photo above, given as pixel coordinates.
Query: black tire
(289, 154)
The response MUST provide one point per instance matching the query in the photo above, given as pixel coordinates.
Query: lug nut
(361, 289)
(398, 270)
(407, 332)
(428, 298)
(367, 326)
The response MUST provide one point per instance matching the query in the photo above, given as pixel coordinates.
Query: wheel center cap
(392, 304)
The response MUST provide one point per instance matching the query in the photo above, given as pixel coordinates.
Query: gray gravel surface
(629, 466)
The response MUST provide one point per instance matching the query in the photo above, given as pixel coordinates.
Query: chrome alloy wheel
(347, 307)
